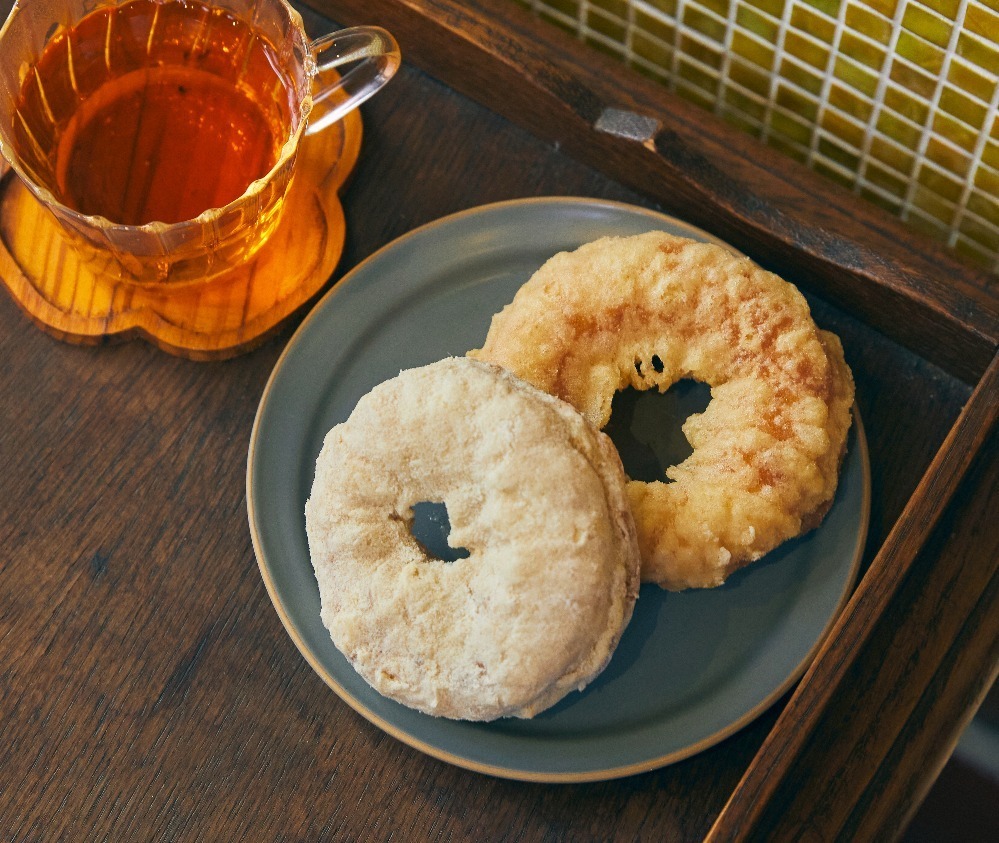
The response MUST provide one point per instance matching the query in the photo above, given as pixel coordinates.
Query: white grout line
(775, 77)
(961, 211)
(927, 133)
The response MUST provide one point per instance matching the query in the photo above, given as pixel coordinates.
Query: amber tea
(153, 111)
(163, 135)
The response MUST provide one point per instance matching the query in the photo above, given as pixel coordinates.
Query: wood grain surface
(149, 692)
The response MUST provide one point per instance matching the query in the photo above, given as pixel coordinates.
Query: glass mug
(163, 134)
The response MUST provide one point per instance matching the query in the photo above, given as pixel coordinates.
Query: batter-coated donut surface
(648, 310)
(536, 495)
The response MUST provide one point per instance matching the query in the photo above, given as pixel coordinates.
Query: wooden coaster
(221, 318)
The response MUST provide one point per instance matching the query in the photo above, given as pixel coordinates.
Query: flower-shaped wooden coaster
(223, 317)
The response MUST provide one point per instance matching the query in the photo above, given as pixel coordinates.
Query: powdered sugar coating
(537, 496)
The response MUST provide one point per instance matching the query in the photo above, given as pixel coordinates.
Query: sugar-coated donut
(647, 310)
(536, 495)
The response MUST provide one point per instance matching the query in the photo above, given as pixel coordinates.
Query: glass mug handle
(377, 55)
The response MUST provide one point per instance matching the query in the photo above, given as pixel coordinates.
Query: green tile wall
(897, 99)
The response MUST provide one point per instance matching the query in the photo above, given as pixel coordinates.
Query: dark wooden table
(149, 692)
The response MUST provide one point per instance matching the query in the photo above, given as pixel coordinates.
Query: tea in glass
(153, 111)
(163, 134)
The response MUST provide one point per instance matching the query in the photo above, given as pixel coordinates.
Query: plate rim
(406, 737)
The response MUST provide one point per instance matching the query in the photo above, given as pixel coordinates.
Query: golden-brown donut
(536, 495)
(648, 310)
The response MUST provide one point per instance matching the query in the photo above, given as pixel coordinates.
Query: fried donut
(535, 494)
(647, 310)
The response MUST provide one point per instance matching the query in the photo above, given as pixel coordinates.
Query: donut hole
(645, 426)
(431, 527)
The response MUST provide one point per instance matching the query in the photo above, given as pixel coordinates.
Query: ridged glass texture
(156, 253)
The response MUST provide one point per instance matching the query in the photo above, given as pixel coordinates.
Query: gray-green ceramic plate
(691, 668)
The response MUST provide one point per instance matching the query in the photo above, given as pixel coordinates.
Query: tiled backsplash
(898, 99)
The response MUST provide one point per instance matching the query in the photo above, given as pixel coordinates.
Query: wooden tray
(838, 248)
(227, 316)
